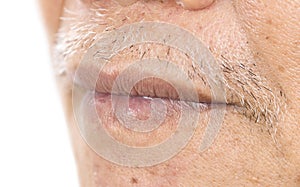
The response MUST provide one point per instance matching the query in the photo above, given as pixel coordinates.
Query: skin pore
(256, 44)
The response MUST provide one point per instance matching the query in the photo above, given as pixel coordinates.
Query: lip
(130, 110)
(138, 95)
(134, 80)
(138, 73)
(142, 91)
(134, 125)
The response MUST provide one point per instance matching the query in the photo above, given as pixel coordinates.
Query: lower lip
(140, 107)
(143, 114)
(138, 123)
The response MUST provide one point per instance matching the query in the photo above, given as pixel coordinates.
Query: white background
(34, 143)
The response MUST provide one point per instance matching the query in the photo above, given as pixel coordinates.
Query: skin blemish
(134, 180)
(281, 69)
(269, 22)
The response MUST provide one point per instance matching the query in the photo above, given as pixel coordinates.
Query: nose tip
(194, 4)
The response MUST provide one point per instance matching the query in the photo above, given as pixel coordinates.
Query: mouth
(143, 88)
(129, 105)
(143, 81)
(146, 100)
(131, 99)
(140, 96)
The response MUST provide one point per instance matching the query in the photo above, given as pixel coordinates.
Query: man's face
(255, 47)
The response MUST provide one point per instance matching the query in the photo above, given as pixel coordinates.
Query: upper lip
(149, 87)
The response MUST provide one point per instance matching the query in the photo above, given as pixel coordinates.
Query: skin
(264, 34)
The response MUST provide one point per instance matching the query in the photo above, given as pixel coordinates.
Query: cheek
(273, 30)
(273, 27)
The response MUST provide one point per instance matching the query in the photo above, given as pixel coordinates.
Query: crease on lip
(132, 101)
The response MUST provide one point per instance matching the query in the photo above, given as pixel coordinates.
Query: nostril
(194, 4)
